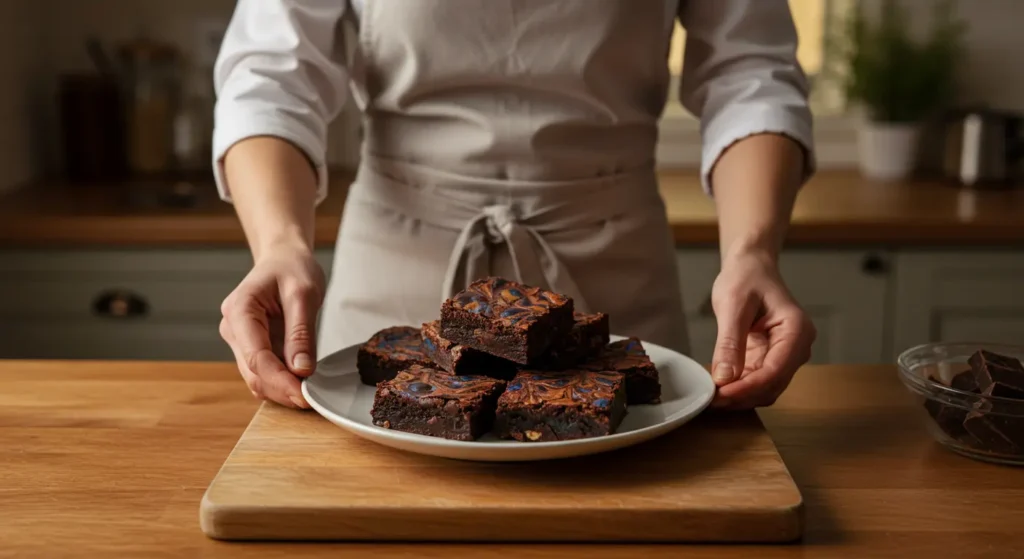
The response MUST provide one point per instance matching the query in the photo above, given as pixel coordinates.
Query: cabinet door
(959, 296)
(844, 292)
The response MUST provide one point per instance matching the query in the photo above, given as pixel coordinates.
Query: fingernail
(723, 373)
(302, 362)
(255, 395)
(299, 402)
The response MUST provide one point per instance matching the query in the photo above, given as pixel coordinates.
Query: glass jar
(151, 71)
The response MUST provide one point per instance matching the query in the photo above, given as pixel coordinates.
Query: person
(513, 138)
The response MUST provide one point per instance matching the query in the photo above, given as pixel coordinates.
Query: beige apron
(512, 138)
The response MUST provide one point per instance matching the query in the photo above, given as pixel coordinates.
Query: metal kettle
(984, 148)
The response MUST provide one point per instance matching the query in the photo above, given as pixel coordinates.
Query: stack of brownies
(511, 358)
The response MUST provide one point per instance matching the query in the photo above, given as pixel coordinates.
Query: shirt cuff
(737, 123)
(237, 126)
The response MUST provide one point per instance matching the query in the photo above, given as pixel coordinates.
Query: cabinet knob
(874, 265)
(120, 304)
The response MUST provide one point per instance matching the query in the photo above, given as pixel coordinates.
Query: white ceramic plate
(336, 393)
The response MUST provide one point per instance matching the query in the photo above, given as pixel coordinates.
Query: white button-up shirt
(280, 73)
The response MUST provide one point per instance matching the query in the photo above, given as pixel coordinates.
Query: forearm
(273, 187)
(755, 183)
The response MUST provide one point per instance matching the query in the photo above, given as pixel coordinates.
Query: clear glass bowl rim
(928, 388)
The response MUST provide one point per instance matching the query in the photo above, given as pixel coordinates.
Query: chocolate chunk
(998, 375)
(966, 382)
(948, 418)
(1000, 434)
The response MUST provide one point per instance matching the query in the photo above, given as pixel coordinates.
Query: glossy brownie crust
(389, 351)
(506, 319)
(461, 360)
(588, 336)
(558, 406)
(629, 358)
(428, 401)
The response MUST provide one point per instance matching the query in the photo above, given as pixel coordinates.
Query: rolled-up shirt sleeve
(280, 73)
(741, 76)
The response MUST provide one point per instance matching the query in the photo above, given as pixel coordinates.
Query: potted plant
(897, 81)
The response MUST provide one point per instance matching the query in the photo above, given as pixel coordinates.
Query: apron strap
(517, 215)
(497, 224)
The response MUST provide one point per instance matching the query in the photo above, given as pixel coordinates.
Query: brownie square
(998, 375)
(586, 339)
(389, 351)
(506, 319)
(558, 406)
(629, 358)
(461, 360)
(432, 402)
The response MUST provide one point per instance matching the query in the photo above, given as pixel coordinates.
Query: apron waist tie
(517, 215)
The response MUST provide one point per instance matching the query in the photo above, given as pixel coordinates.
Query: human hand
(763, 334)
(272, 315)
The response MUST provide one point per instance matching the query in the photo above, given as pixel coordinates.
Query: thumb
(735, 317)
(300, 306)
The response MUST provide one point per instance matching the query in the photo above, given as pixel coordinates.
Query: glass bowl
(981, 427)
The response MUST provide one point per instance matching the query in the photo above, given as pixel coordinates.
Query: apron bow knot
(500, 220)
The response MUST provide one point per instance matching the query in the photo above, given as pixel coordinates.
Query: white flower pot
(888, 152)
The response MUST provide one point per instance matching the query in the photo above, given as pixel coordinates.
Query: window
(680, 145)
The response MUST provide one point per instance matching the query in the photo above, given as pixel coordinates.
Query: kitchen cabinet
(958, 296)
(139, 304)
(844, 292)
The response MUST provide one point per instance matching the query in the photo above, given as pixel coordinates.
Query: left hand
(763, 334)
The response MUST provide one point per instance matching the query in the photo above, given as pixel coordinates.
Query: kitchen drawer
(48, 302)
(69, 285)
(113, 339)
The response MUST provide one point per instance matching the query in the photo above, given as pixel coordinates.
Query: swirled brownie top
(508, 302)
(398, 342)
(425, 382)
(563, 389)
(620, 356)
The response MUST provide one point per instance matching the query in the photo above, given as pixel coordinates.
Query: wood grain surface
(295, 476)
(103, 459)
(835, 208)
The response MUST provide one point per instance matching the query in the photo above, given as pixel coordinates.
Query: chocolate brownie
(428, 401)
(389, 351)
(506, 319)
(998, 375)
(461, 360)
(586, 339)
(558, 406)
(629, 358)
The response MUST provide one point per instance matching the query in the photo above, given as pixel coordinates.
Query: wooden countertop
(835, 208)
(111, 460)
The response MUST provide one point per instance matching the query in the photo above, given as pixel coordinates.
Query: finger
(249, 326)
(787, 352)
(250, 378)
(300, 304)
(735, 315)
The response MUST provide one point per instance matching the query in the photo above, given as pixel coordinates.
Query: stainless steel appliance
(985, 148)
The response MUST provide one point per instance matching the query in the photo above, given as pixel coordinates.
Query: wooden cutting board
(295, 476)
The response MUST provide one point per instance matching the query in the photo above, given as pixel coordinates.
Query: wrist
(763, 249)
(290, 240)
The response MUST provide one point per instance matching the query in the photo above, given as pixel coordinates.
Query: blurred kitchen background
(113, 244)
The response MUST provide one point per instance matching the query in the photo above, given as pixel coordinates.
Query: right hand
(269, 321)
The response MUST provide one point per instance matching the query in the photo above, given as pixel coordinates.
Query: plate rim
(373, 432)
